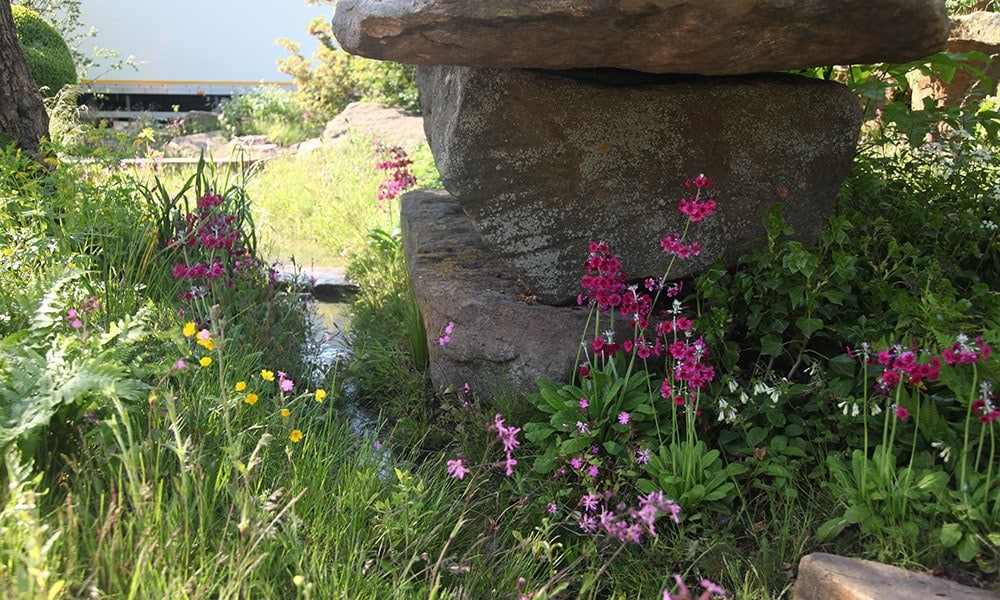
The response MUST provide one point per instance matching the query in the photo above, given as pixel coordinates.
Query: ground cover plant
(163, 437)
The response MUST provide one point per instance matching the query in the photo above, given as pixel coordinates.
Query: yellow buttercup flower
(206, 343)
(295, 436)
(251, 399)
(285, 412)
(320, 395)
(267, 375)
(205, 361)
(240, 386)
(188, 330)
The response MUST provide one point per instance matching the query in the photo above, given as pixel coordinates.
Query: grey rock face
(503, 341)
(545, 162)
(388, 124)
(709, 37)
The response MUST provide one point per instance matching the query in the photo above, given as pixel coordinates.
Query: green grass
(318, 208)
(315, 209)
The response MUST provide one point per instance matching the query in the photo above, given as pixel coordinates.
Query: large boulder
(709, 37)
(390, 125)
(546, 161)
(503, 340)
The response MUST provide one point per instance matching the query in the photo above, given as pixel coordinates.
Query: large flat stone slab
(710, 37)
(503, 340)
(545, 162)
(831, 577)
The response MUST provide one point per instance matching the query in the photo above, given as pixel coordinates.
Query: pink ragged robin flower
(446, 334)
(457, 468)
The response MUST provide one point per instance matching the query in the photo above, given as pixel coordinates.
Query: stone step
(831, 577)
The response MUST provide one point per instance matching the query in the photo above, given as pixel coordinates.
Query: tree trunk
(22, 115)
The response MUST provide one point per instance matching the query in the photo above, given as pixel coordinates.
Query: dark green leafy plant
(58, 375)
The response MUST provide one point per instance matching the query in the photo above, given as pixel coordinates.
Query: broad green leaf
(574, 445)
(755, 436)
(857, 513)
(545, 463)
(968, 548)
(537, 432)
(808, 325)
(776, 417)
(951, 534)
(770, 345)
(613, 448)
(831, 529)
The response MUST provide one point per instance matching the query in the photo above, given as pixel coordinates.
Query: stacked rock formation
(554, 123)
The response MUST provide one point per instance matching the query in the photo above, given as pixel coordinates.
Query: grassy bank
(163, 437)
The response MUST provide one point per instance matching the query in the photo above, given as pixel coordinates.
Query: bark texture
(22, 114)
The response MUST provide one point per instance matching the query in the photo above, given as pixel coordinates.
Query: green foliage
(66, 16)
(390, 345)
(53, 376)
(695, 476)
(338, 78)
(49, 58)
(560, 436)
(911, 254)
(264, 110)
(28, 553)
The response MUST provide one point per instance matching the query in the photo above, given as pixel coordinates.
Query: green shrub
(264, 110)
(49, 58)
(337, 78)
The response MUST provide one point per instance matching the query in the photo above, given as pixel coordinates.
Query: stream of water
(330, 347)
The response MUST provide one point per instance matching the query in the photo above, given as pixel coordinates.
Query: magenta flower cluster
(76, 317)
(212, 227)
(212, 232)
(624, 523)
(400, 178)
(964, 352)
(904, 366)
